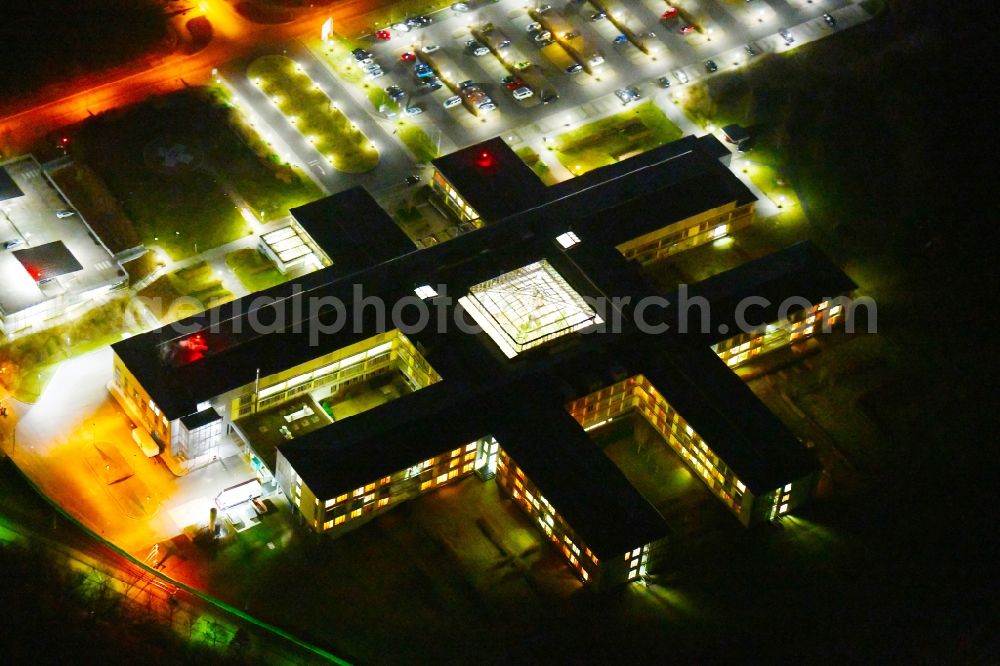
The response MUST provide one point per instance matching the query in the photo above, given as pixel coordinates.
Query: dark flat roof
(801, 273)
(48, 261)
(497, 185)
(8, 188)
(353, 229)
(200, 419)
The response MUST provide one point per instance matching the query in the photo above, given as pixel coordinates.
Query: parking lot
(577, 53)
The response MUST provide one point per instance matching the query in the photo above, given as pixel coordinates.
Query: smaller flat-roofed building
(52, 265)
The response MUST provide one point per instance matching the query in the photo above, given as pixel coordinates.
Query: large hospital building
(352, 414)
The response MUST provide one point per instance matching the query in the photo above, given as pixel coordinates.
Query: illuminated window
(382, 502)
(632, 574)
(788, 488)
(471, 447)
(740, 486)
(452, 474)
(584, 575)
(426, 484)
(339, 520)
(355, 513)
(342, 498)
(369, 498)
(783, 509)
(635, 553)
(453, 463)
(358, 492)
(328, 524)
(442, 477)
(370, 487)
(467, 467)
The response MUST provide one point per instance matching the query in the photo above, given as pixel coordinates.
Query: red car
(382, 35)
(686, 29)
(514, 85)
(409, 56)
(669, 14)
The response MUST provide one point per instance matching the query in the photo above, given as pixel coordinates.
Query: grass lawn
(314, 114)
(531, 158)
(29, 362)
(177, 208)
(254, 270)
(185, 292)
(417, 141)
(614, 138)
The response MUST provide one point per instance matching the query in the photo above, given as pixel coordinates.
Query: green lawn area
(184, 208)
(530, 157)
(416, 139)
(254, 270)
(313, 113)
(29, 362)
(185, 292)
(614, 138)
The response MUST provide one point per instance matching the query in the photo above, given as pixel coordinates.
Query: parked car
(375, 73)
(830, 21)
(65, 212)
(503, 43)
(549, 97)
(523, 92)
(412, 180)
(408, 56)
(476, 47)
(395, 93)
(533, 27)
(663, 81)
(467, 84)
(687, 29)
(432, 84)
(628, 94)
(454, 100)
(597, 16)
(401, 27)
(711, 67)
(413, 110)
(751, 50)
(596, 59)
(574, 68)
(430, 48)
(669, 14)
(460, 7)
(543, 37)
(383, 35)
(681, 76)
(543, 8)
(361, 54)
(620, 39)
(12, 243)
(786, 35)
(521, 66)
(487, 107)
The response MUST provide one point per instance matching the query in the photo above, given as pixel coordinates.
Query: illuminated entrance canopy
(528, 307)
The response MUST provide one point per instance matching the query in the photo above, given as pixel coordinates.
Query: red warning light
(484, 160)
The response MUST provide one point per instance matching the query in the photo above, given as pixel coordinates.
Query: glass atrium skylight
(528, 307)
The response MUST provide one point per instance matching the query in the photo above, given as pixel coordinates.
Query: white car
(65, 213)
(375, 73)
(430, 48)
(523, 92)
(460, 7)
(489, 106)
(596, 59)
(532, 27)
(413, 110)
(401, 27)
(681, 76)
(452, 101)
